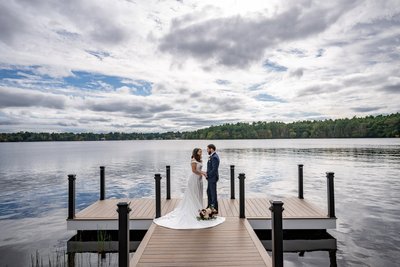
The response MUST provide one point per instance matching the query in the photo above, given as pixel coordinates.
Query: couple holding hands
(186, 214)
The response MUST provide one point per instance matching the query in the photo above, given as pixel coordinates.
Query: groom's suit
(212, 178)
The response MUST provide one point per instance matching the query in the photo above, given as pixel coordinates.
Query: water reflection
(301, 247)
(98, 247)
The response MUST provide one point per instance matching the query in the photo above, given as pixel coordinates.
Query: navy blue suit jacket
(212, 168)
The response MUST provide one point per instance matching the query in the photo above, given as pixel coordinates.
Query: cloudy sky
(150, 66)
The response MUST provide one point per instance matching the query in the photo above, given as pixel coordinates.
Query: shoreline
(242, 139)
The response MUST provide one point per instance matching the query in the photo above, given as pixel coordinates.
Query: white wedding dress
(184, 216)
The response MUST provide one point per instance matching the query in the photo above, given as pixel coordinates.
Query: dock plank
(140, 207)
(234, 206)
(232, 243)
(223, 208)
(230, 212)
(297, 213)
(263, 204)
(257, 208)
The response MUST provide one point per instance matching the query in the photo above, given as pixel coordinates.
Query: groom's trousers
(212, 193)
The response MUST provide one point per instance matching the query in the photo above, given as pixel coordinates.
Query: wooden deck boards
(232, 243)
(255, 208)
(297, 214)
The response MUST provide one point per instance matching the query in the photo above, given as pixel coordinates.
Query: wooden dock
(298, 214)
(232, 243)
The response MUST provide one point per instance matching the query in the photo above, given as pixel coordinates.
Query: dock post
(332, 258)
(123, 234)
(331, 195)
(168, 182)
(301, 181)
(277, 233)
(232, 181)
(71, 196)
(241, 196)
(71, 259)
(102, 183)
(157, 177)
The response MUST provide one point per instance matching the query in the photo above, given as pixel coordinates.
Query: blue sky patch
(27, 77)
(17, 73)
(11, 74)
(141, 87)
(256, 86)
(273, 66)
(269, 98)
(95, 81)
(83, 79)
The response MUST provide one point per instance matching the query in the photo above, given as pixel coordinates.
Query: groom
(212, 177)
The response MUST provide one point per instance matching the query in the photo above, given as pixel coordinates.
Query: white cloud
(342, 60)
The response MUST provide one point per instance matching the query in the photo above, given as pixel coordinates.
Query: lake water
(33, 188)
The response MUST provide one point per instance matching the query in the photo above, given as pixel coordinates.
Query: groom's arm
(214, 167)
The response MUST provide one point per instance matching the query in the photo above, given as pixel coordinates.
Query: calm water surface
(33, 188)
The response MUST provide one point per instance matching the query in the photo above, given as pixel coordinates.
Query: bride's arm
(194, 170)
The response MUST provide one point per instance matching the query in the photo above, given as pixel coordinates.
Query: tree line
(365, 127)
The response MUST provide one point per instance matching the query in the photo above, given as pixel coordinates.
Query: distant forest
(367, 127)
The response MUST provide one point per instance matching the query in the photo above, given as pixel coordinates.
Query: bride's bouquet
(207, 214)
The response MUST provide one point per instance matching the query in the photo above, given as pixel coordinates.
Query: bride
(184, 216)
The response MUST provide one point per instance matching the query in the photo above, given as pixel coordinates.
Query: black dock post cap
(122, 205)
(275, 203)
(71, 176)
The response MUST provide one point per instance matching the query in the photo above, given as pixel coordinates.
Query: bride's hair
(195, 155)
